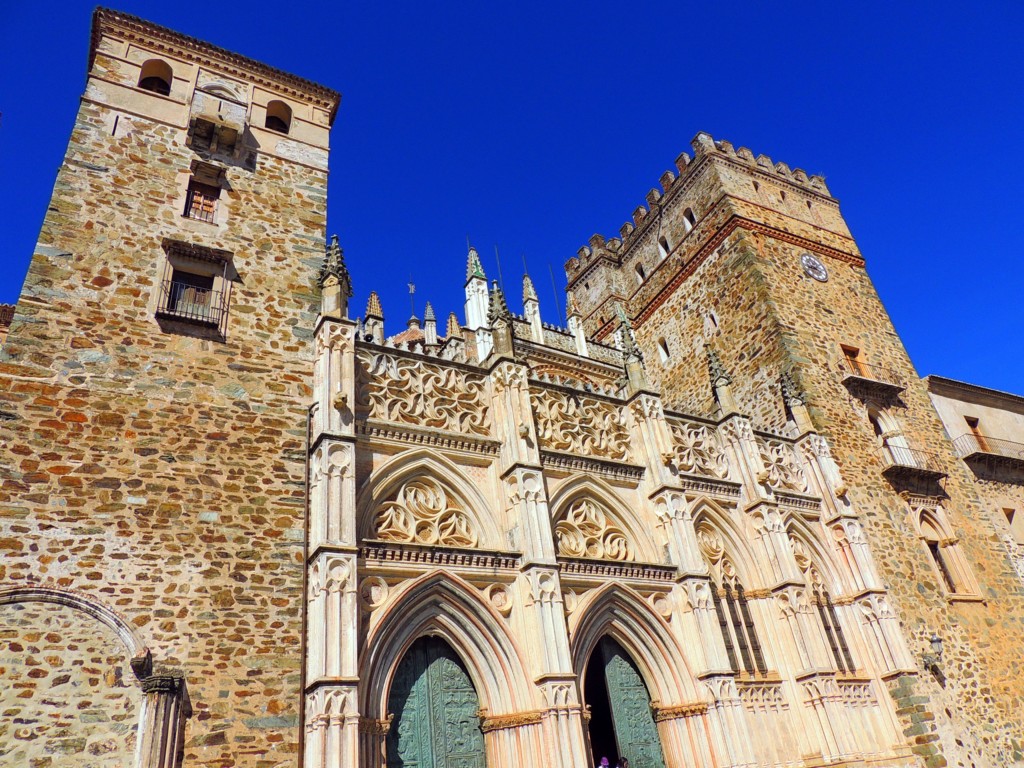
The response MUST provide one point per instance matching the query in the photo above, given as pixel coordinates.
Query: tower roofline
(150, 35)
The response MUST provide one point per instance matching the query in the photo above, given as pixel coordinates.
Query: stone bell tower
(745, 266)
(154, 392)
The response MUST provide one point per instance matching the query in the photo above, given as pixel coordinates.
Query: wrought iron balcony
(191, 304)
(870, 379)
(994, 451)
(900, 462)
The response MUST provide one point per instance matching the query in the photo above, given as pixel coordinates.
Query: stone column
(332, 611)
(685, 734)
(728, 718)
(165, 708)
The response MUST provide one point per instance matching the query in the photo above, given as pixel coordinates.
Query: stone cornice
(961, 390)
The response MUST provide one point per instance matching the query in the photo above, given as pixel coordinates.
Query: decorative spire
(629, 348)
(428, 314)
(716, 370)
(334, 266)
(529, 293)
(497, 309)
(473, 266)
(791, 393)
(453, 328)
(373, 307)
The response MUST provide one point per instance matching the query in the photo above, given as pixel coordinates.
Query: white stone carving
(660, 602)
(579, 424)
(423, 512)
(783, 471)
(373, 592)
(585, 530)
(415, 392)
(499, 596)
(698, 450)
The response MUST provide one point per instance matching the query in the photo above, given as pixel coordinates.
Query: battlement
(670, 182)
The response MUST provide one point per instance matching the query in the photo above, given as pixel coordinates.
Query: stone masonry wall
(158, 472)
(68, 693)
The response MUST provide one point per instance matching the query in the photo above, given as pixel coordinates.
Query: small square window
(201, 201)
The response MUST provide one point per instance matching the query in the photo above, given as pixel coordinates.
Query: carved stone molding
(383, 553)
(373, 592)
(611, 469)
(606, 569)
(418, 436)
(503, 722)
(500, 597)
(681, 710)
(580, 424)
(394, 388)
(375, 727)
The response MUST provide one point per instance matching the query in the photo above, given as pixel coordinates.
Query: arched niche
(279, 116)
(442, 605)
(589, 516)
(420, 497)
(708, 515)
(156, 75)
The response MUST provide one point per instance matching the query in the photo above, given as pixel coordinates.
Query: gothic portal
(435, 711)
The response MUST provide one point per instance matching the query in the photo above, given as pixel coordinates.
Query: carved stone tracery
(579, 424)
(393, 388)
(698, 450)
(423, 512)
(586, 530)
(783, 472)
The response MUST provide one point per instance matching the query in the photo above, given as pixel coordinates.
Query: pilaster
(165, 707)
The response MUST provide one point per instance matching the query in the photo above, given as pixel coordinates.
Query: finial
(529, 294)
(629, 348)
(473, 266)
(716, 370)
(373, 307)
(791, 393)
(453, 328)
(428, 314)
(334, 266)
(497, 310)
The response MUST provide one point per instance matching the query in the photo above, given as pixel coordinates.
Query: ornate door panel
(435, 709)
(635, 731)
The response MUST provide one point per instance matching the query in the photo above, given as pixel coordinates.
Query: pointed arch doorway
(621, 721)
(435, 707)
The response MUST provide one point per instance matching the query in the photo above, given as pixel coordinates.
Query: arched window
(640, 274)
(156, 76)
(689, 220)
(735, 621)
(934, 541)
(891, 439)
(663, 247)
(822, 601)
(279, 117)
(663, 350)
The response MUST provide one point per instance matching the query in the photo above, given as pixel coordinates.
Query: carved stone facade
(508, 545)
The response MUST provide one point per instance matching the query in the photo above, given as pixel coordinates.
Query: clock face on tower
(813, 267)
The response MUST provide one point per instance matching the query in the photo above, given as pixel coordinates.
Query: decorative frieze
(411, 391)
(574, 423)
(380, 554)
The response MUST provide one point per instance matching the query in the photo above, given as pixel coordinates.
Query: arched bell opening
(434, 709)
(621, 720)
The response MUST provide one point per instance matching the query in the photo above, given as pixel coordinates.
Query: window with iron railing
(191, 297)
(201, 201)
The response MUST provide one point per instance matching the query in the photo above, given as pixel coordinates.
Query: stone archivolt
(585, 529)
(576, 423)
(423, 512)
(698, 450)
(396, 389)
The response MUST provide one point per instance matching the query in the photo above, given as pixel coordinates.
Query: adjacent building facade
(714, 521)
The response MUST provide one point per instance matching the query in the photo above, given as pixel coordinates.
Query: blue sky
(532, 125)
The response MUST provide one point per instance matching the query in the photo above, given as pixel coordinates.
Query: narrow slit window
(663, 350)
(663, 248)
(640, 274)
(689, 220)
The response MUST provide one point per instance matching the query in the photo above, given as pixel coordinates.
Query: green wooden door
(435, 709)
(635, 731)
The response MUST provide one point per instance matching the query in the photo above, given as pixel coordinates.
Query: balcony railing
(974, 446)
(191, 304)
(903, 462)
(871, 377)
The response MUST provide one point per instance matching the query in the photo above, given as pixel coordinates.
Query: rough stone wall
(162, 473)
(68, 693)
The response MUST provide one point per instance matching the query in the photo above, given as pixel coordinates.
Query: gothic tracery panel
(579, 424)
(586, 530)
(781, 467)
(415, 392)
(698, 450)
(422, 511)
